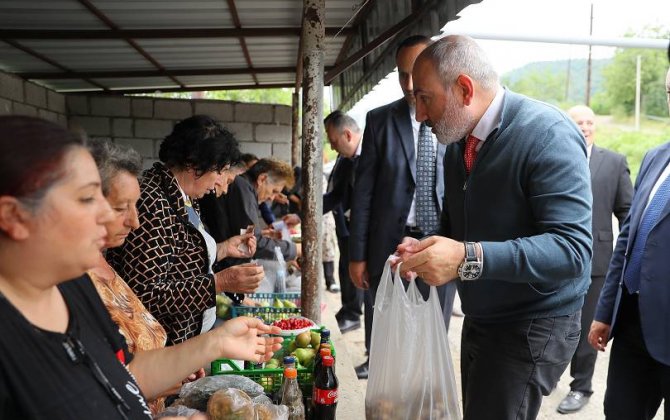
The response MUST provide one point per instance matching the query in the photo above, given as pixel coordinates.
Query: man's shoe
(334, 288)
(573, 402)
(347, 325)
(362, 370)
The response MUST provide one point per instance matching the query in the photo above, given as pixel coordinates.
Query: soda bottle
(289, 362)
(292, 396)
(325, 338)
(324, 396)
(318, 362)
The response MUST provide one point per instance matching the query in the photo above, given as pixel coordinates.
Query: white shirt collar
(491, 118)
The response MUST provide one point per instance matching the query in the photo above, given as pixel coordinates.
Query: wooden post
(312, 152)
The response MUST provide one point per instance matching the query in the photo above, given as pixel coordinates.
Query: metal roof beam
(151, 73)
(232, 9)
(209, 88)
(158, 33)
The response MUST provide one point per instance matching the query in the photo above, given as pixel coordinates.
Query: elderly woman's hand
(240, 339)
(240, 246)
(243, 278)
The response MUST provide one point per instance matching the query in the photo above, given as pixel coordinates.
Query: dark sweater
(528, 201)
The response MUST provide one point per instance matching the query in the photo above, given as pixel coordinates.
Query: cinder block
(36, 95)
(254, 113)
(11, 87)
(77, 104)
(148, 163)
(145, 147)
(55, 101)
(62, 120)
(259, 149)
(110, 106)
(122, 127)
(220, 111)
(152, 129)
(23, 109)
(273, 133)
(5, 106)
(92, 126)
(47, 115)
(242, 131)
(143, 108)
(283, 114)
(172, 109)
(282, 152)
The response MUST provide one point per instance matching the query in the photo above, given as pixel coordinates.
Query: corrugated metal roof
(145, 45)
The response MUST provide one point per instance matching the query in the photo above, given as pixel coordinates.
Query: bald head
(585, 119)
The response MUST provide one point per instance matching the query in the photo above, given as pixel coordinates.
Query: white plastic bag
(411, 372)
(280, 279)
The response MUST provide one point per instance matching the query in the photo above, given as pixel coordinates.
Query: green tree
(619, 78)
(539, 83)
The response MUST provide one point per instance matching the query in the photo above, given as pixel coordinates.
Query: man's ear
(13, 218)
(466, 88)
(261, 179)
(348, 135)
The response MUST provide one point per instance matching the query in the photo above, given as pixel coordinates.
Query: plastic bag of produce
(196, 394)
(176, 411)
(229, 404)
(271, 412)
(411, 372)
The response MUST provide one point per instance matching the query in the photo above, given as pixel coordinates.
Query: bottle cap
(289, 360)
(325, 333)
(291, 373)
(325, 352)
(328, 360)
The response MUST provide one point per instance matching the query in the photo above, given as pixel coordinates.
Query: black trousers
(507, 367)
(352, 297)
(583, 363)
(636, 383)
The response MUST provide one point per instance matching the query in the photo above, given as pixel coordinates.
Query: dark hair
(32, 154)
(111, 159)
(276, 169)
(199, 143)
(339, 120)
(248, 158)
(412, 41)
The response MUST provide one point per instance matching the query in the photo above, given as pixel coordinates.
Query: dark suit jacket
(384, 187)
(339, 193)
(654, 295)
(612, 193)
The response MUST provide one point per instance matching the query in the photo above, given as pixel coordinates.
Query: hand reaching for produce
(240, 339)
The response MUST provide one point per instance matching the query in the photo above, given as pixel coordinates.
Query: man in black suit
(399, 189)
(344, 137)
(612, 194)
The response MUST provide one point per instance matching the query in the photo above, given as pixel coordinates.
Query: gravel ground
(592, 411)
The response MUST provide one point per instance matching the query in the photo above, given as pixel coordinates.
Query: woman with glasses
(168, 259)
(62, 355)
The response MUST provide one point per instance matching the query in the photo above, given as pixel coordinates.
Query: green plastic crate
(268, 314)
(269, 379)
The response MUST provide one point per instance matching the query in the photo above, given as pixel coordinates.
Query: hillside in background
(548, 80)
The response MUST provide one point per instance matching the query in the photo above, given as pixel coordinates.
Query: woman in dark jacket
(167, 261)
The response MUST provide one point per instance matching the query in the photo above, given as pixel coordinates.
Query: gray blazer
(385, 182)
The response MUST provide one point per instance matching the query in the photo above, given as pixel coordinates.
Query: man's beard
(454, 124)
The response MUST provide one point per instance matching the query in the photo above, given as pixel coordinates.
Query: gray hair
(458, 54)
(339, 121)
(113, 158)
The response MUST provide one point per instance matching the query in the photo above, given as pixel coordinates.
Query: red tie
(470, 152)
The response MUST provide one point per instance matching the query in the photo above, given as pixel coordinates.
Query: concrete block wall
(18, 96)
(143, 122)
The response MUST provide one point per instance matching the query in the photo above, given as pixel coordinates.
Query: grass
(619, 134)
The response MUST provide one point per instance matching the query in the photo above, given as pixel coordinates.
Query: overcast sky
(612, 19)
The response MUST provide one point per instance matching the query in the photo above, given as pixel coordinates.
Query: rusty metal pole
(295, 130)
(312, 155)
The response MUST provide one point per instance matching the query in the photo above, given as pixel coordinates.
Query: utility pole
(588, 63)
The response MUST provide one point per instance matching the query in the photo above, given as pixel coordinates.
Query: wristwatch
(471, 267)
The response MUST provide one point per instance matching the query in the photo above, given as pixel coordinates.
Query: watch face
(471, 271)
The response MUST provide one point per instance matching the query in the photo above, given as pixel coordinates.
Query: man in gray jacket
(515, 229)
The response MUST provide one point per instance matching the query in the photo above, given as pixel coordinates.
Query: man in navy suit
(388, 181)
(344, 137)
(634, 305)
(612, 193)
